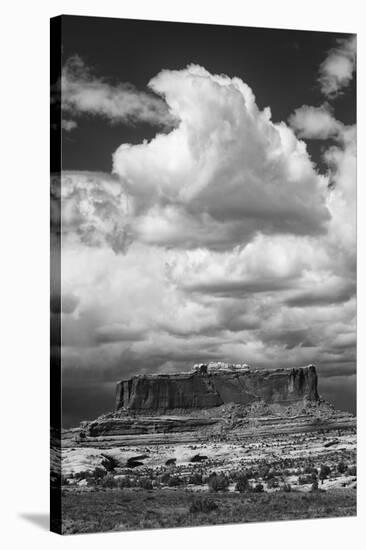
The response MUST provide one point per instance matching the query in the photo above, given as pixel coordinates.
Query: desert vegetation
(86, 510)
(223, 480)
(216, 475)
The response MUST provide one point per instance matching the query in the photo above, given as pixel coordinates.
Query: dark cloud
(341, 391)
(323, 296)
(335, 366)
(288, 338)
(85, 401)
(118, 333)
(227, 288)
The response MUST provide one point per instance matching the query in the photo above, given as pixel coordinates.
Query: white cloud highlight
(226, 172)
(315, 122)
(337, 69)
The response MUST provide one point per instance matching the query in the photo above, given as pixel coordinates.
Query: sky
(208, 198)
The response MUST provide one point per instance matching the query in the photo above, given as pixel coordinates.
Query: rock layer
(202, 389)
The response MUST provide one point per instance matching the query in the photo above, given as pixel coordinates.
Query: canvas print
(203, 274)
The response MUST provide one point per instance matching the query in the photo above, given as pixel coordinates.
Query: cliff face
(205, 389)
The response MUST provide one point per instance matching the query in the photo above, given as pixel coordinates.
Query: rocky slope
(227, 402)
(226, 422)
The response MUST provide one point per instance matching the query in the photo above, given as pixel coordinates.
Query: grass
(91, 510)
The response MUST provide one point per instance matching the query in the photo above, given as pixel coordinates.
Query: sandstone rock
(146, 425)
(198, 458)
(219, 366)
(135, 461)
(204, 389)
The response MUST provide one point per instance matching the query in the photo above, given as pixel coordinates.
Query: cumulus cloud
(337, 69)
(342, 162)
(226, 172)
(315, 122)
(84, 93)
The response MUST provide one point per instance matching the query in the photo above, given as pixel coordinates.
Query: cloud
(225, 173)
(266, 264)
(68, 125)
(289, 338)
(84, 93)
(315, 122)
(118, 333)
(331, 292)
(67, 304)
(218, 241)
(340, 391)
(337, 69)
(94, 208)
(342, 163)
(239, 287)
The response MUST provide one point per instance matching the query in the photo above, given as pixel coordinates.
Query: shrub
(309, 469)
(264, 471)
(124, 482)
(324, 472)
(130, 481)
(258, 488)
(174, 481)
(242, 484)
(287, 488)
(303, 480)
(315, 485)
(352, 470)
(195, 479)
(164, 479)
(218, 482)
(272, 483)
(99, 472)
(204, 505)
(341, 467)
(108, 481)
(145, 483)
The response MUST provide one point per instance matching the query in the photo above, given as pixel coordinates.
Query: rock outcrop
(206, 388)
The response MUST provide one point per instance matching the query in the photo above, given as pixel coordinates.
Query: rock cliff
(205, 388)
